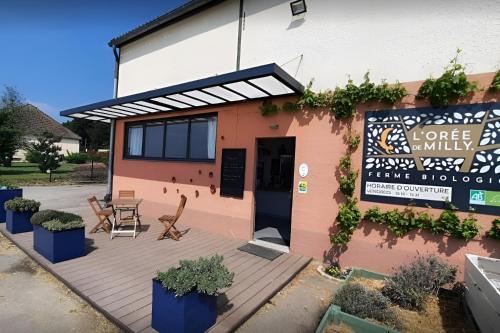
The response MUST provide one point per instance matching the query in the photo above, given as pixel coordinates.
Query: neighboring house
(33, 122)
(186, 120)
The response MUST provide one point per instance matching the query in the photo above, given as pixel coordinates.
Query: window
(187, 138)
(154, 135)
(202, 139)
(135, 141)
(176, 139)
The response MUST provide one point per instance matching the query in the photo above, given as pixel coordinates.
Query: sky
(56, 53)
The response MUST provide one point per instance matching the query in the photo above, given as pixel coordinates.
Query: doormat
(260, 251)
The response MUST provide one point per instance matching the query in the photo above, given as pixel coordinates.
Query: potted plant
(7, 192)
(185, 297)
(57, 235)
(19, 212)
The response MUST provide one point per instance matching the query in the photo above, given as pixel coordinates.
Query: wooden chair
(127, 194)
(169, 221)
(103, 215)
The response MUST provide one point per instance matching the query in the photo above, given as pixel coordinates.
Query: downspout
(240, 32)
(109, 192)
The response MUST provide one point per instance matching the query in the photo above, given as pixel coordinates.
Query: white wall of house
(403, 40)
(201, 46)
(67, 145)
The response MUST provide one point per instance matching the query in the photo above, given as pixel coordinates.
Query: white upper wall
(403, 40)
(200, 46)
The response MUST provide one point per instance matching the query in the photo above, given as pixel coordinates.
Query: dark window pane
(134, 145)
(202, 141)
(154, 138)
(176, 139)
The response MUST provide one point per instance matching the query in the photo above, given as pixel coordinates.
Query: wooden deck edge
(280, 286)
(94, 305)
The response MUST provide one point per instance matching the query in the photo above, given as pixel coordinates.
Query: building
(186, 118)
(33, 122)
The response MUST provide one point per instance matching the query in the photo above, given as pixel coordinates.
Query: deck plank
(115, 276)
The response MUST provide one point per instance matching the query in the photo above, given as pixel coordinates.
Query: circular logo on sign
(303, 170)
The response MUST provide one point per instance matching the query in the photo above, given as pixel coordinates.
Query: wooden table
(121, 205)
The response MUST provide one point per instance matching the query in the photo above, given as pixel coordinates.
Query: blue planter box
(191, 313)
(18, 222)
(6, 195)
(58, 246)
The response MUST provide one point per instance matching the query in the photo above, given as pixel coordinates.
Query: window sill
(153, 159)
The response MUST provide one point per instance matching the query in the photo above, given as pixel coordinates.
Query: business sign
(427, 156)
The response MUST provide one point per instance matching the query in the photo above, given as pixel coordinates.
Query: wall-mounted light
(274, 126)
(298, 7)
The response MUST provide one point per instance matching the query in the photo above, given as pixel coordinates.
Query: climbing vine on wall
(349, 214)
(447, 223)
(342, 102)
(495, 84)
(451, 85)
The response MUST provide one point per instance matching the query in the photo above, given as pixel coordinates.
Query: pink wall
(319, 143)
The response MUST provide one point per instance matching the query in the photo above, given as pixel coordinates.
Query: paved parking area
(31, 299)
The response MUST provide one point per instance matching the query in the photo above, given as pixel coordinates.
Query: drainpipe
(109, 192)
(240, 32)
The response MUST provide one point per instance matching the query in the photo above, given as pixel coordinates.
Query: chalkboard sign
(232, 181)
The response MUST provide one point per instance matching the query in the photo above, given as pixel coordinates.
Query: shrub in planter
(19, 212)
(57, 235)
(410, 284)
(362, 302)
(7, 193)
(185, 297)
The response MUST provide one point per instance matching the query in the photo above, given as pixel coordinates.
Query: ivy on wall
(495, 84)
(448, 223)
(495, 229)
(343, 102)
(349, 215)
(451, 85)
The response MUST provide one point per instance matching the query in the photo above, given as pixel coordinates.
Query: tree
(11, 138)
(94, 134)
(50, 156)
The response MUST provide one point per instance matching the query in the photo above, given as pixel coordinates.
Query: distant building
(33, 122)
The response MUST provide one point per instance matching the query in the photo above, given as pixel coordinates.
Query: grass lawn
(24, 173)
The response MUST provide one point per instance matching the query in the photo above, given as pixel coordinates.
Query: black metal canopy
(248, 84)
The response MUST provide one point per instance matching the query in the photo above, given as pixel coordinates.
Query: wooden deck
(115, 276)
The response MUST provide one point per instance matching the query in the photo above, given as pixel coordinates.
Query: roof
(254, 83)
(32, 121)
(178, 14)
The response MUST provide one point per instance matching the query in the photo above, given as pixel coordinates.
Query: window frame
(164, 121)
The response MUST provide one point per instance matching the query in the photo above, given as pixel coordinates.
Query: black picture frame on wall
(233, 166)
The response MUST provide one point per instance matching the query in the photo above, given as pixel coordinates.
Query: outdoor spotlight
(274, 126)
(298, 7)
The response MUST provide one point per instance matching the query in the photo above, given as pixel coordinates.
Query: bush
(33, 156)
(359, 301)
(54, 220)
(76, 158)
(495, 229)
(411, 284)
(22, 205)
(205, 276)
